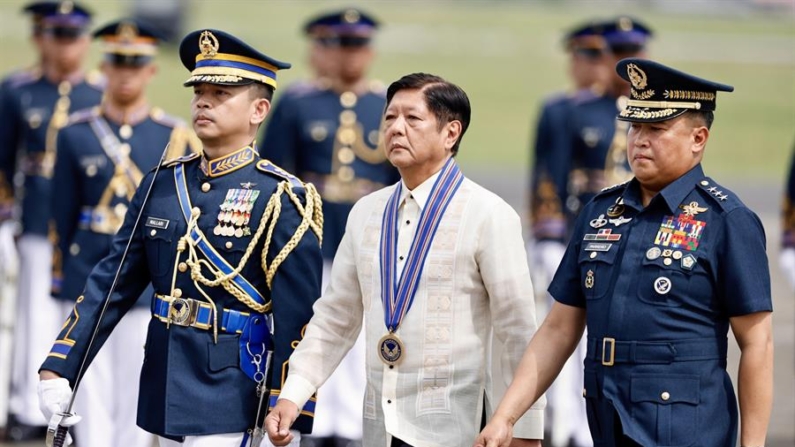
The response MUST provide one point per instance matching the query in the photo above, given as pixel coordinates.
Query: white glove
(786, 260)
(54, 398)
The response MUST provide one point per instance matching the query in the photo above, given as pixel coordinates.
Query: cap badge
(625, 24)
(351, 16)
(127, 31)
(66, 8)
(637, 77)
(208, 44)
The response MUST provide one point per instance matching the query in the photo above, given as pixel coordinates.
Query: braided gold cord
(311, 217)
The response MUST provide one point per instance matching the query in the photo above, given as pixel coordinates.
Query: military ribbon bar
(397, 297)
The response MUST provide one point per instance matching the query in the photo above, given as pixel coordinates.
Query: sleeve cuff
(297, 390)
(530, 426)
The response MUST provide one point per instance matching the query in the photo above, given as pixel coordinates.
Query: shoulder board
(178, 160)
(270, 168)
(83, 115)
(612, 188)
(95, 79)
(161, 117)
(377, 87)
(22, 77)
(722, 197)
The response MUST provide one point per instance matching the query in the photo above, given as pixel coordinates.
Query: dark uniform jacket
(192, 384)
(96, 173)
(659, 285)
(32, 109)
(332, 141)
(578, 151)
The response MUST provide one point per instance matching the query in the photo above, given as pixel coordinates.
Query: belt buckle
(182, 312)
(610, 361)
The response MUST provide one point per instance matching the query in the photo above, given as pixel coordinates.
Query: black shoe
(16, 431)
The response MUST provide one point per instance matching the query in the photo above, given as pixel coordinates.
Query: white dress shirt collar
(421, 193)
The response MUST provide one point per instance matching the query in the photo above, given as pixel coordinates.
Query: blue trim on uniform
(205, 247)
(60, 348)
(232, 321)
(234, 64)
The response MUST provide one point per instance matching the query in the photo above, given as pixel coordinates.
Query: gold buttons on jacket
(153, 233)
(665, 395)
(182, 267)
(228, 245)
(177, 293)
(205, 187)
(593, 255)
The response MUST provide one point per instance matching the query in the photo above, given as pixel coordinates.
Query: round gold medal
(390, 348)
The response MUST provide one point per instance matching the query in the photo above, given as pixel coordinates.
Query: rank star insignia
(692, 209)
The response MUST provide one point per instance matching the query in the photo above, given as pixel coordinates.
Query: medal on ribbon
(398, 296)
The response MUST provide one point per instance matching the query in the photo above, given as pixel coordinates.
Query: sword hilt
(56, 437)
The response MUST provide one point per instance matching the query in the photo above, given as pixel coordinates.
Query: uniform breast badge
(235, 213)
(683, 231)
(390, 347)
(599, 222)
(589, 279)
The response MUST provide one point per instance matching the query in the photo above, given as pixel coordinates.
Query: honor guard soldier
(231, 246)
(589, 73)
(34, 104)
(102, 154)
(326, 131)
(660, 268)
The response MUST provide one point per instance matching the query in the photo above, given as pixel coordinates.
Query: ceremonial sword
(56, 436)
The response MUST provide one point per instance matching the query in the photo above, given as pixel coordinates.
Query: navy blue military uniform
(100, 163)
(232, 249)
(32, 109)
(659, 284)
(579, 147)
(788, 211)
(331, 138)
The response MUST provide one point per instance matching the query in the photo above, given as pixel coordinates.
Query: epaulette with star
(270, 168)
(726, 199)
(183, 159)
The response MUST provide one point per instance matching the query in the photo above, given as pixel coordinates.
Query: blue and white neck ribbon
(399, 296)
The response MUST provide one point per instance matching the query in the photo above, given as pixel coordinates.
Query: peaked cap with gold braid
(216, 57)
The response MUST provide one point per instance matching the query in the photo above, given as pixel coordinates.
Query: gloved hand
(54, 395)
(786, 260)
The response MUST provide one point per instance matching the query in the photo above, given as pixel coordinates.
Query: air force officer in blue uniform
(102, 155)
(660, 268)
(231, 246)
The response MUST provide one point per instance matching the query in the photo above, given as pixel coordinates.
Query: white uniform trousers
(340, 400)
(38, 321)
(107, 398)
(223, 440)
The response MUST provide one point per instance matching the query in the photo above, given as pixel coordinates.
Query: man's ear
(261, 109)
(699, 138)
(453, 133)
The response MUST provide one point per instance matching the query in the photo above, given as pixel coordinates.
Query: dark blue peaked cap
(624, 33)
(586, 35)
(128, 42)
(216, 57)
(660, 93)
(59, 13)
(345, 21)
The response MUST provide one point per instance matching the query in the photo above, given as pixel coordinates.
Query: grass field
(506, 55)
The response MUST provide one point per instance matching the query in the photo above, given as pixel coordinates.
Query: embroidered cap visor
(660, 93)
(216, 57)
